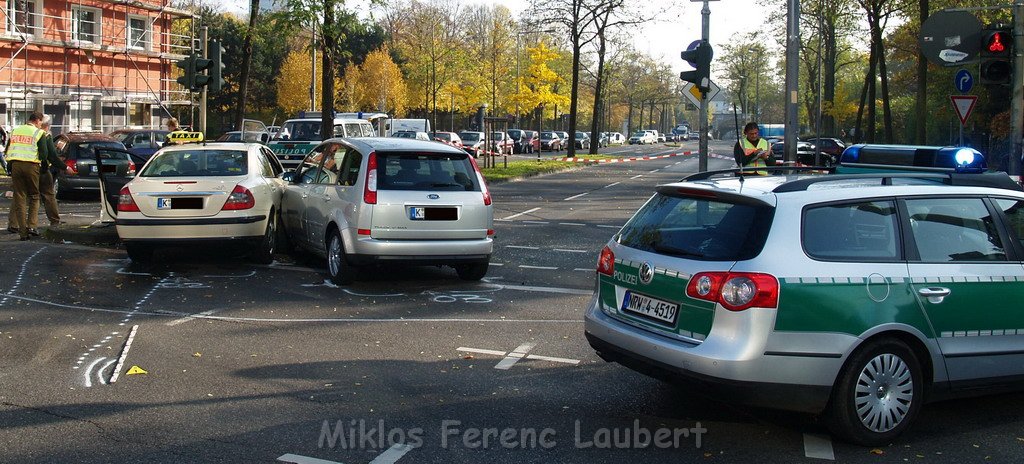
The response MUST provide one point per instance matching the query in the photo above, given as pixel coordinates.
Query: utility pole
(202, 94)
(792, 78)
(1017, 99)
(702, 114)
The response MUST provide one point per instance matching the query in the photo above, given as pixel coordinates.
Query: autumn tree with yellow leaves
(537, 85)
(379, 84)
(293, 82)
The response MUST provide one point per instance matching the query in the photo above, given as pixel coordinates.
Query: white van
(394, 125)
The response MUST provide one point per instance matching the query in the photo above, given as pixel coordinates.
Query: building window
(139, 33)
(24, 17)
(85, 24)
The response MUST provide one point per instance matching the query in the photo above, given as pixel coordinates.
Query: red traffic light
(998, 42)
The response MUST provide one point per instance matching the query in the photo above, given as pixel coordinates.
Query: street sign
(692, 93)
(963, 105)
(949, 38)
(963, 81)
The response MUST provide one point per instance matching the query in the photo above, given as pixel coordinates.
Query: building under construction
(93, 65)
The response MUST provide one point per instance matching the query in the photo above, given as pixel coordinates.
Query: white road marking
(392, 454)
(508, 218)
(496, 264)
(480, 351)
(570, 224)
(549, 268)
(190, 317)
(818, 447)
(558, 360)
(568, 291)
(124, 354)
(576, 196)
(536, 222)
(522, 247)
(636, 176)
(512, 358)
(240, 276)
(654, 171)
(99, 373)
(296, 459)
(584, 269)
(571, 251)
(609, 227)
(612, 185)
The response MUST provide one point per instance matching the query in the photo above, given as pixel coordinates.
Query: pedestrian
(23, 151)
(752, 151)
(49, 169)
(172, 126)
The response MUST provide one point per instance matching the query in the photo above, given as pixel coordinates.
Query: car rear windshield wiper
(662, 248)
(448, 185)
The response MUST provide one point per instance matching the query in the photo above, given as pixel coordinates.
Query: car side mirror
(288, 176)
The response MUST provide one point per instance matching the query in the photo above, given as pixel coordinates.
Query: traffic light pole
(702, 114)
(1017, 99)
(202, 94)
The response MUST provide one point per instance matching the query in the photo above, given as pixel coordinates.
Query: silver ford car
(372, 200)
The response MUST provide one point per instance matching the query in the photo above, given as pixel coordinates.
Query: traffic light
(188, 78)
(996, 56)
(216, 55)
(202, 78)
(699, 57)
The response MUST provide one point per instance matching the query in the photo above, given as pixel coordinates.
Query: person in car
(751, 151)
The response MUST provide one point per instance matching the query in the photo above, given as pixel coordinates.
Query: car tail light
(73, 165)
(735, 291)
(240, 198)
(483, 184)
(606, 263)
(370, 189)
(363, 231)
(125, 202)
(490, 232)
(131, 168)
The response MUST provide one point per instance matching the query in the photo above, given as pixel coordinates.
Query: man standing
(49, 167)
(751, 151)
(23, 150)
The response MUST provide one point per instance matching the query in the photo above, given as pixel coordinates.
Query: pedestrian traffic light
(188, 77)
(996, 56)
(699, 56)
(216, 55)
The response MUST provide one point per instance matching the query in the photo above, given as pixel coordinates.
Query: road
(252, 363)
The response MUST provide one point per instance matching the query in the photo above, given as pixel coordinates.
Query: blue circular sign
(963, 81)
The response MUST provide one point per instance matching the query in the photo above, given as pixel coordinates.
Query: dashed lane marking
(522, 247)
(509, 218)
(565, 250)
(637, 176)
(612, 184)
(570, 224)
(609, 227)
(576, 196)
(547, 268)
(536, 222)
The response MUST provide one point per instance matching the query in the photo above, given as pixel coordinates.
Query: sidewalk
(79, 222)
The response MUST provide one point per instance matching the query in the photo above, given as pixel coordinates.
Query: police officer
(49, 167)
(751, 151)
(23, 152)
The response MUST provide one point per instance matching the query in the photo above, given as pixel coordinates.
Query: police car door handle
(935, 295)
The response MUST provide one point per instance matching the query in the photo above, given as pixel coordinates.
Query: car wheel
(264, 254)
(337, 266)
(878, 393)
(58, 188)
(139, 252)
(475, 271)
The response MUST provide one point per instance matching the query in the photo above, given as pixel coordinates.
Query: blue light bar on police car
(958, 159)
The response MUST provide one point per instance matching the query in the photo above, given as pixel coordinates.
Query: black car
(804, 154)
(78, 151)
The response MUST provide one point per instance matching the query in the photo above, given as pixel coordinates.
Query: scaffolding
(94, 65)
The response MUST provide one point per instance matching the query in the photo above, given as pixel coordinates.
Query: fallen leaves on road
(197, 355)
(878, 452)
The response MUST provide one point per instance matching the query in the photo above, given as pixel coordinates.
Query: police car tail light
(73, 165)
(125, 202)
(240, 198)
(370, 189)
(483, 184)
(735, 291)
(606, 263)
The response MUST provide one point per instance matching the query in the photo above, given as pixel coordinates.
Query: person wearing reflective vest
(23, 149)
(752, 152)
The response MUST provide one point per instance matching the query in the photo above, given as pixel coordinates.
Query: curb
(83, 235)
(621, 160)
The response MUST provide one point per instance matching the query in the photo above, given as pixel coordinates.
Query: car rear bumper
(175, 229)
(366, 249)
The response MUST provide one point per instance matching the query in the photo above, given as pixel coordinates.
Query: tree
(254, 9)
(381, 85)
(537, 88)
(293, 82)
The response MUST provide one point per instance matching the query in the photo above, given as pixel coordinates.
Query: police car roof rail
(989, 179)
(749, 171)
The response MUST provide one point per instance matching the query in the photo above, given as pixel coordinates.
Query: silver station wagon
(857, 296)
(390, 200)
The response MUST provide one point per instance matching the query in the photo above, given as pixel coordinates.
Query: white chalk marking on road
(189, 318)
(522, 247)
(818, 447)
(99, 373)
(552, 359)
(297, 459)
(536, 222)
(609, 227)
(547, 268)
(571, 251)
(124, 272)
(611, 185)
(509, 218)
(576, 196)
(21, 274)
(392, 454)
(512, 358)
(240, 276)
(481, 351)
(88, 371)
(124, 354)
(570, 224)
(636, 176)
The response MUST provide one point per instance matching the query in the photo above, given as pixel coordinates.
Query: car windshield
(85, 149)
(640, 134)
(405, 135)
(302, 130)
(547, 135)
(470, 136)
(515, 134)
(581, 135)
(197, 163)
(444, 136)
(426, 171)
(498, 135)
(698, 229)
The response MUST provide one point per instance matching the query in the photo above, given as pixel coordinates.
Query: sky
(677, 23)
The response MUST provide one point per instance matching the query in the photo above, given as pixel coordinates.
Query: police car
(199, 192)
(858, 296)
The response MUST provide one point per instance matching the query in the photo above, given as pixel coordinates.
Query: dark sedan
(78, 151)
(141, 142)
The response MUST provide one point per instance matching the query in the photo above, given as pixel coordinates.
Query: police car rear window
(426, 171)
(198, 163)
(698, 229)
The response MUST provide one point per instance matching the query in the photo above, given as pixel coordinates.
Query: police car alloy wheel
(878, 393)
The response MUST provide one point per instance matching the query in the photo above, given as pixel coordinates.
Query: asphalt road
(254, 363)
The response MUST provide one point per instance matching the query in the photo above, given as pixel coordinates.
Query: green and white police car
(858, 296)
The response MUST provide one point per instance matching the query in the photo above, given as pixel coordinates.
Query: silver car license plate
(650, 307)
(163, 203)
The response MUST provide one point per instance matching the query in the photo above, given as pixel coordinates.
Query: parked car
(78, 151)
(501, 143)
(472, 142)
(832, 146)
(804, 154)
(615, 138)
(448, 138)
(141, 142)
(857, 298)
(212, 192)
(660, 137)
(248, 136)
(602, 140)
(582, 140)
(641, 137)
(417, 135)
(564, 137)
(390, 200)
(550, 141)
